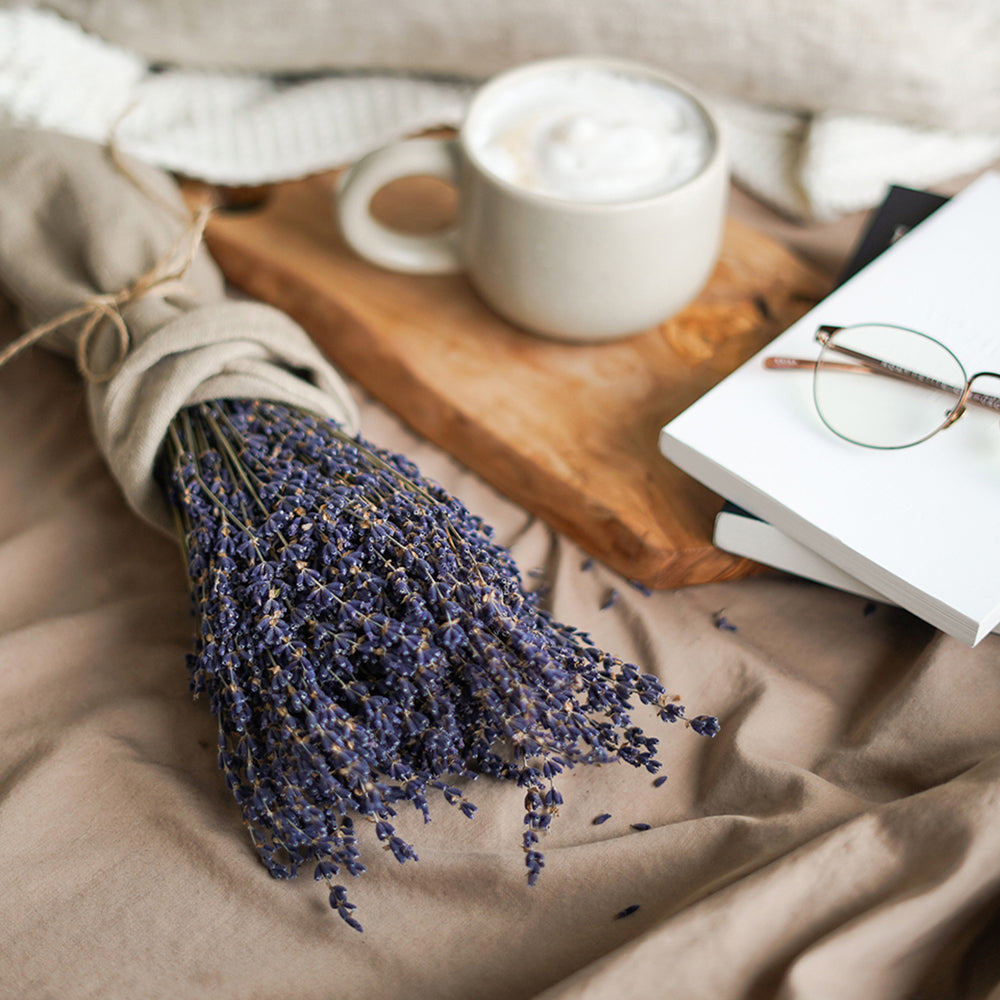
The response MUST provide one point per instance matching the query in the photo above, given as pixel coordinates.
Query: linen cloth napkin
(74, 229)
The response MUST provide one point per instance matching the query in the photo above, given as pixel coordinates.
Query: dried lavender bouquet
(362, 640)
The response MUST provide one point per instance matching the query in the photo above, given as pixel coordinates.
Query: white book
(742, 534)
(919, 525)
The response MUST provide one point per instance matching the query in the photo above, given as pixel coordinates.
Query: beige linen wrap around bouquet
(77, 233)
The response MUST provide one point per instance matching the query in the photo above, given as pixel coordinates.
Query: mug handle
(435, 253)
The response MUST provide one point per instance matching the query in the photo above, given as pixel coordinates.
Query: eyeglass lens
(886, 386)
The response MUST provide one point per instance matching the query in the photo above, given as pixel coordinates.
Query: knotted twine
(100, 270)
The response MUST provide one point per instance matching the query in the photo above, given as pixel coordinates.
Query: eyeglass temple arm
(875, 366)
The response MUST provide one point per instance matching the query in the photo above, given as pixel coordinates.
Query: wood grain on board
(568, 431)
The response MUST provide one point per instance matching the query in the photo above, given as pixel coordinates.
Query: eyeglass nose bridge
(991, 401)
(962, 405)
(972, 378)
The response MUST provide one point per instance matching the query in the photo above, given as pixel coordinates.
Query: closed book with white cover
(741, 533)
(920, 525)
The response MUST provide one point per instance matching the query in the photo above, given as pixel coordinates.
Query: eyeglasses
(884, 386)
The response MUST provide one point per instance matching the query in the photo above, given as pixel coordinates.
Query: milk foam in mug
(592, 198)
(592, 135)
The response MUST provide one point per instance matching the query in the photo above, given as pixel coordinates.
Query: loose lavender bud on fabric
(706, 725)
(722, 623)
(364, 642)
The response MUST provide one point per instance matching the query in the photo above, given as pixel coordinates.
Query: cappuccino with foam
(584, 133)
(591, 198)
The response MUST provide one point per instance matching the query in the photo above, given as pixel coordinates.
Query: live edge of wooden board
(568, 431)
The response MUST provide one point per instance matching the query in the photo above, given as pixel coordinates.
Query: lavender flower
(705, 725)
(722, 623)
(363, 642)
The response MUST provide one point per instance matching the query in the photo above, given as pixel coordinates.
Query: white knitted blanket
(243, 128)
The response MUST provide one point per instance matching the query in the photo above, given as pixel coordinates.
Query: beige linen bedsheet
(839, 839)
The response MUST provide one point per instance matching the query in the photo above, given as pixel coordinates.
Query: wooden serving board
(568, 431)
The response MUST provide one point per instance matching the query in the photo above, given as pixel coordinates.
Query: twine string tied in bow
(164, 277)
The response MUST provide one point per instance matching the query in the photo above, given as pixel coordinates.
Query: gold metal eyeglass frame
(867, 364)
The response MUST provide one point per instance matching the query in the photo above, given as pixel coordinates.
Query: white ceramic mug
(570, 267)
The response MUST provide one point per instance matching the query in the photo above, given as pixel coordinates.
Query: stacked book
(917, 526)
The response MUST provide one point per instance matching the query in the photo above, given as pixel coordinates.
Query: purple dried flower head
(363, 642)
(722, 623)
(706, 725)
